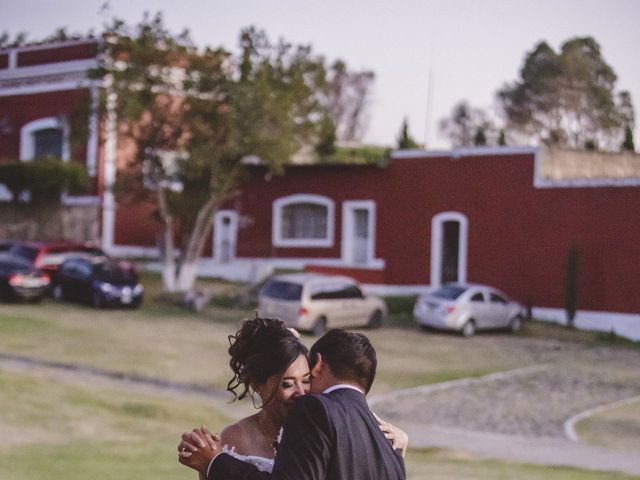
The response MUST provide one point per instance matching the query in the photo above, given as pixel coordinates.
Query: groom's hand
(198, 448)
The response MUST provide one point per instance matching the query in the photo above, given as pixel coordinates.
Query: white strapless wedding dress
(261, 463)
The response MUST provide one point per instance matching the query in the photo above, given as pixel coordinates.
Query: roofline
(54, 44)
(464, 152)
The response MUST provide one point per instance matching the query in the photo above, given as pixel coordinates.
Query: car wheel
(96, 300)
(515, 324)
(320, 327)
(375, 320)
(57, 292)
(469, 329)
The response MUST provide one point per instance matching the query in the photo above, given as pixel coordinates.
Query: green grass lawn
(80, 426)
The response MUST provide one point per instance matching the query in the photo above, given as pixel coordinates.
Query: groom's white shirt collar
(342, 385)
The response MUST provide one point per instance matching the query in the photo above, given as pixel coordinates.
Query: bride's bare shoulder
(239, 435)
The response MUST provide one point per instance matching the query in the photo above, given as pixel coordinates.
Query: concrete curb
(569, 425)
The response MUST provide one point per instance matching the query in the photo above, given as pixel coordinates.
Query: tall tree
(347, 99)
(467, 126)
(566, 98)
(405, 140)
(196, 114)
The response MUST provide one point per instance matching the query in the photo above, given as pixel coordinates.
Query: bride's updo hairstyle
(261, 348)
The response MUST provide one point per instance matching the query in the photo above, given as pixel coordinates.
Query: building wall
(22, 109)
(518, 235)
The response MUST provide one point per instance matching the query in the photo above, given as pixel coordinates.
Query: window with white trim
(45, 137)
(303, 221)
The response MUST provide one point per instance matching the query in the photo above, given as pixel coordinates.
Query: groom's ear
(317, 365)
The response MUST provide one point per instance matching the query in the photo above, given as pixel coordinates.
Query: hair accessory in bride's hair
(295, 332)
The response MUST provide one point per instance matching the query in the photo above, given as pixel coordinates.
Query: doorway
(449, 232)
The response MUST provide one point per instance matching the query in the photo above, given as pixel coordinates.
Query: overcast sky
(426, 54)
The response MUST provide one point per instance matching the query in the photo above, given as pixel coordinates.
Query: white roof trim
(464, 152)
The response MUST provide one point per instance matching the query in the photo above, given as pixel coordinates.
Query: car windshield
(24, 252)
(113, 273)
(282, 290)
(449, 292)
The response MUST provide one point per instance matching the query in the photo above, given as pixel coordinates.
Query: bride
(269, 362)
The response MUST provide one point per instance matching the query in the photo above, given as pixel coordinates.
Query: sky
(427, 55)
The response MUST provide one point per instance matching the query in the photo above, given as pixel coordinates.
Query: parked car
(97, 281)
(5, 245)
(468, 308)
(49, 255)
(21, 280)
(315, 302)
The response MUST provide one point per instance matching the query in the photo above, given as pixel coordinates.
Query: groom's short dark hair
(350, 356)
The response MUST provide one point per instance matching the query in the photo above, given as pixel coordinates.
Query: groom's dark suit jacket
(330, 436)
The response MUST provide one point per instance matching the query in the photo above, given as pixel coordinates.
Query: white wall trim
(128, 251)
(218, 218)
(436, 245)
(46, 87)
(27, 143)
(622, 324)
(79, 200)
(57, 68)
(276, 221)
(463, 152)
(348, 228)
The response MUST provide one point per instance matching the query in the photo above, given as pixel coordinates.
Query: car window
(449, 292)
(282, 290)
(478, 297)
(351, 291)
(495, 298)
(68, 267)
(112, 272)
(84, 269)
(23, 251)
(327, 291)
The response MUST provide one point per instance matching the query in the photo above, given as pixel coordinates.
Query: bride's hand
(198, 448)
(399, 439)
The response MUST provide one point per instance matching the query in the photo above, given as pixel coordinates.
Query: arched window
(45, 136)
(303, 221)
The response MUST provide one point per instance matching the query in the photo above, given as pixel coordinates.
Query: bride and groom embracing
(314, 421)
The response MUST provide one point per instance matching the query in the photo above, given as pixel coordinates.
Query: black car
(97, 281)
(21, 280)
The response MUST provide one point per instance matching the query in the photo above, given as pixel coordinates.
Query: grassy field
(618, 428)
(63, 424)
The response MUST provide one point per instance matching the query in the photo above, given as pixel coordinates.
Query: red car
(48, 256)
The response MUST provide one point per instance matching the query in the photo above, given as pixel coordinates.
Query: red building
(501, 216)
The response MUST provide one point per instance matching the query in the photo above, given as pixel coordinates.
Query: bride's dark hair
(261, 348)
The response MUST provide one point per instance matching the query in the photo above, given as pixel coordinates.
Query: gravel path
(530, 403)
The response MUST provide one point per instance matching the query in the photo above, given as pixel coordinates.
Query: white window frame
(348, 226)
(27, 141)
(276, 226)
(437, 232)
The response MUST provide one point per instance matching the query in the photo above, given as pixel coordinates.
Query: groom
(331, 434)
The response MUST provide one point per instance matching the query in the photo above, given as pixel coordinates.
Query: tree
(196, 115)
(467, 126)
(628, 144)
(347, 99)
(571, 285)
(405, 140)
(566, 98)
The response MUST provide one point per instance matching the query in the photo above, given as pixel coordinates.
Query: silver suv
(315, 302)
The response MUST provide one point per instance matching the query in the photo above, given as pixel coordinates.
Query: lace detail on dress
(261, 463)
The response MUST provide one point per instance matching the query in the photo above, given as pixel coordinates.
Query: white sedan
(468, 308)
